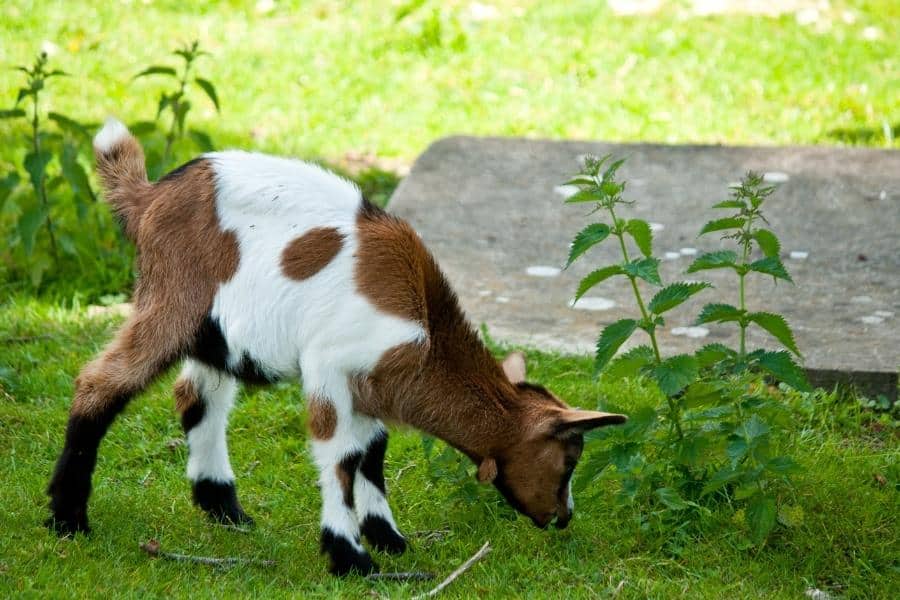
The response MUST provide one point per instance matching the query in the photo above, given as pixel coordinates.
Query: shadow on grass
(866, 136)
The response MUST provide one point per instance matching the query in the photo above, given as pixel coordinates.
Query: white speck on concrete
(691, 332)
(484, 293)
(542, 271)
(872, 319)
(882, 195)
(672, 255)
(776, 177)
(592, 303)
(861, 299)
(734, 184)
(565, 190)
(798, 255)
(884, 314)
(654, 227)
(501, 299)
(688, 251)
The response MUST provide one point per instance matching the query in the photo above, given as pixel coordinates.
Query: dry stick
(465, 567)
(403, 576)
(152, 548)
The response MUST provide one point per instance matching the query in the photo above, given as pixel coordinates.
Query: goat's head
(534, 472)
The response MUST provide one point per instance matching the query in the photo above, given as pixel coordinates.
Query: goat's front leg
(338, 453)
(369, 492)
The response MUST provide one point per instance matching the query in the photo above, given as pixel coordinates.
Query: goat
(257, 268)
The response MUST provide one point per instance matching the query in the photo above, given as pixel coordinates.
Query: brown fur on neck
(450, 386)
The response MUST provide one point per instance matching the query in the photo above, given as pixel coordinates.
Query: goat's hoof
(220, 502)
(345, 558)
(382, 535)
(68, 526)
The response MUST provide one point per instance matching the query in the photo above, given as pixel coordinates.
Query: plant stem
(42, 187)
(170, 137)
(746, 243)
(673, 410)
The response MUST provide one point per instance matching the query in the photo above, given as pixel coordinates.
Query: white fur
(112, 133)
(208, 449)
(322, 326)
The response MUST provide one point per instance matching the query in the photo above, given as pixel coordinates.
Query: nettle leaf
(644, 268)
(629, 364)
(768, 242)
(723, 224)
(69, 125)
(642, 234)
(675, 373)
(733, 203)
(581, 180)
(202, 139)
(210, 90)
(595, 277)
(674, 294)
(181, 110)
(760, 516)
(753, 428)
(586, 238)
(712, 353)
(590, 195)
(782, 465)
(719, 313)
(29, 223)
(157, 70)
(141, 128)
(7, 185)
(714, 260)
(782, 367)
(165, 101)
(612, 337)
(75, 174)
(672, 499)
(771, 265)
(701, 393)
(719, 480)
(777, 326)
(36, 165)
(13, 113)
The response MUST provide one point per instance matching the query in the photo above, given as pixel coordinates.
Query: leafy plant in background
(176, 103)
(715, 438)
(60, 189)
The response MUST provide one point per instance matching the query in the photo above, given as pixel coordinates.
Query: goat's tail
(120, 164)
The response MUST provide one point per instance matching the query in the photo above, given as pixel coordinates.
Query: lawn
(365, 87)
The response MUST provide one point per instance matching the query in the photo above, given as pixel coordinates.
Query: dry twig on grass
(462, 569)
(152, 548)
(403, 576)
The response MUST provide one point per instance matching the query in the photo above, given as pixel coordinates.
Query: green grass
(845, 540)
(328, 80)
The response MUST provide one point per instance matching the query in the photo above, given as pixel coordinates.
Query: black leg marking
(372, 466)
(382, 536)
(345, 559)
(220, 502)
(193, 415)
(346, 472)
(70, 485)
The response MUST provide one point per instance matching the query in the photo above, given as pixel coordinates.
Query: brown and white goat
(259, 268)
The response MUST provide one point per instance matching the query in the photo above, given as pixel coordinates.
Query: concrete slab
(492, 212)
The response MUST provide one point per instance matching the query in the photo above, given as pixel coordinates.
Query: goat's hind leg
(141, 350)
(204, 396)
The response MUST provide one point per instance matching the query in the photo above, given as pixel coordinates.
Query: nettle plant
(175, 103)
(58, 198)
(715, 437)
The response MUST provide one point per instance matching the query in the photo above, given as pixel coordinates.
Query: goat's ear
(487, 470)
(514, 367)
(576, 422)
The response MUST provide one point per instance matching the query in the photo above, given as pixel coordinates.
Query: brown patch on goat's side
(390, 264)
(183, 256)
(322, 419)
(311, 252)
